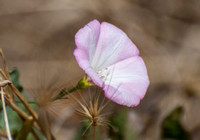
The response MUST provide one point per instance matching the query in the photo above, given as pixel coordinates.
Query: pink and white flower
(112, 61)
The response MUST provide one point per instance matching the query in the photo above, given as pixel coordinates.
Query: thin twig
(30, 110)
(18, 110)
(35, 134)
(3, 74)
(26, 128)
(5, 115)
(18, 94)
(4, 64)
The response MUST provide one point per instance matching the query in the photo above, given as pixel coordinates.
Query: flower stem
(63, 92)
(94, 132)
(82, 84)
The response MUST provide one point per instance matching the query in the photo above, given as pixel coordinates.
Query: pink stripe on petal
(130, 79)
(113, 46)
(82, 58)
(121, 97)
(87, 37)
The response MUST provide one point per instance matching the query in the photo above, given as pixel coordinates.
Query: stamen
(103, 73)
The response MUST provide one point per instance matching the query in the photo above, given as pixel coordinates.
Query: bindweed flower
(112, 61)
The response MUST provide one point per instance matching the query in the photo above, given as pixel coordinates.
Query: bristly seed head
(91, 109)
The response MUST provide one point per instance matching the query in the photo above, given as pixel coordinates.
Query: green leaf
(172, 127)
(118, 123)
(14, 76)
(15, 122)
(79, 135)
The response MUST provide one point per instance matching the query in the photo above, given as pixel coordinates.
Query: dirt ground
(37, 37)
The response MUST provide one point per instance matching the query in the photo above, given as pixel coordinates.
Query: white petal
(113, 46)
(128, 82)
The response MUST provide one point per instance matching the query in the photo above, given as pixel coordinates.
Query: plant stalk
(94, 133)
(5, 115)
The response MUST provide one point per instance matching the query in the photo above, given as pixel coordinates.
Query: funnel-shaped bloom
(112, 61)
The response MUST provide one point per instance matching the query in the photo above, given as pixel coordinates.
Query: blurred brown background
(37, 37)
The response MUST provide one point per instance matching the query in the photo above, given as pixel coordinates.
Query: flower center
(103, 73)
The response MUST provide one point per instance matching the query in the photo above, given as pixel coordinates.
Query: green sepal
(83, 83)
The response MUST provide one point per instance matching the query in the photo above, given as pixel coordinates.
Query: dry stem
(5, 82)
(5, 64)
(94, 132)
(5, 115)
